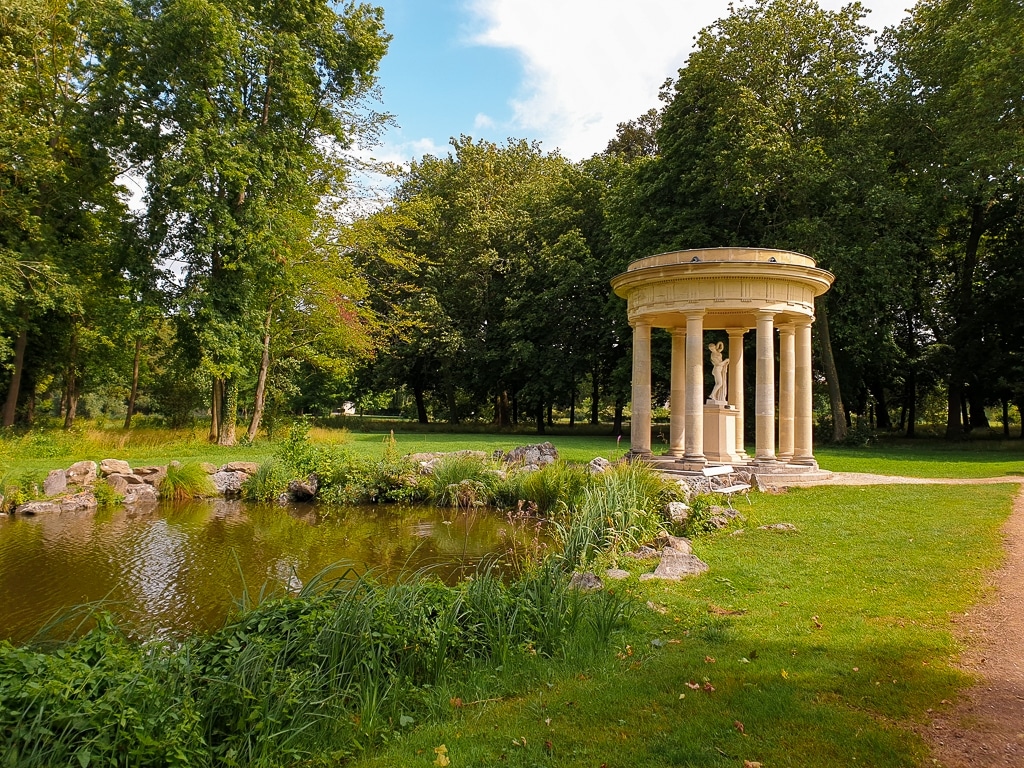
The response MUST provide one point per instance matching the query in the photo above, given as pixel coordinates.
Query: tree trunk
(453, 406)
(964, 415)
(963, 335)
(540, 418)
(135, 384)
(421, 406)
(595, 400)
(911, 403)
(828, 362)
(229, 414)
(976, 401)
(1006, 417)
(11, 404)
(551, 421)
(503, 411)
(261, 382)
(216, 401)
(882, 418)
(71, 383)
(515, 408)
(572, 408)
(617, 422)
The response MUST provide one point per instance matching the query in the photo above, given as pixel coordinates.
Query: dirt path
(986, 726)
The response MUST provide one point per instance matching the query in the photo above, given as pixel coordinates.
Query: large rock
(37, 508)
(141, 494)
(118, 482)
(532, 456)
(599, 466)
(55, 482)
(82, 473)
(677, 512)
(228, 484)
(84, 501)
(678, 543)
(676, 565)
(208, 468)
(586, 582)
(114, 466)
(155, 478)
(304, 490)
(144, 471)
(248, 467)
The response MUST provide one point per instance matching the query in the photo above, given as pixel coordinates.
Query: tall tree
(951, 73)
(235, 114)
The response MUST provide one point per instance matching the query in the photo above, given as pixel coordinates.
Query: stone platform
(763, 476)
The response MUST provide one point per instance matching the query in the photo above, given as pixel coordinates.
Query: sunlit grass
(827, 645)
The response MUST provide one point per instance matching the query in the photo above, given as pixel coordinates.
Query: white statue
(720, 370)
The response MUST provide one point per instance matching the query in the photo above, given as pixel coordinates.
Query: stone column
(736, 381)
(803, 452)
(640, 421)
(694, 453)
(764, 406)
(677, 402)
(787, 383)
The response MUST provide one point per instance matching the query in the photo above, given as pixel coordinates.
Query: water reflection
(180, 567)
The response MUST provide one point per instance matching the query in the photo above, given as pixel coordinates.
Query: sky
(564, 72)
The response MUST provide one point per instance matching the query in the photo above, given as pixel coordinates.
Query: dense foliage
(479, 291)
(306, 680)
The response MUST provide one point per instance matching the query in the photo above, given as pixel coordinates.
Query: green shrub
(268, 482)
(303, 680)
(620, 511)
(106, 496)
(186, 481)
(461, 480)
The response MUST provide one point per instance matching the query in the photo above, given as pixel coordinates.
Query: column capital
(802, 321)
(766, 313)
(693, 314)
(678, 330)
(736, 331)
(639, 323)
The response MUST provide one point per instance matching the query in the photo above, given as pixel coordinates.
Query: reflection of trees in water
(180, 566)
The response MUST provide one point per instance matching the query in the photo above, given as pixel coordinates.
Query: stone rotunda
(734, 290)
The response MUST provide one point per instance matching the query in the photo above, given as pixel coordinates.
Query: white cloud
(590, 64)
(483, 121)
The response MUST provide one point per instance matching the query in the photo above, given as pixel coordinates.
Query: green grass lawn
(822, 647)
(928, 458)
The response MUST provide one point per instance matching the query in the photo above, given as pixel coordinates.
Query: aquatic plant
(309, 679)
(186, 481)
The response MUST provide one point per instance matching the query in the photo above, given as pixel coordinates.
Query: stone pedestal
(720, 434)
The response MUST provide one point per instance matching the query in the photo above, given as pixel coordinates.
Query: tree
(953, 91)
(766, 139)
(235, 114)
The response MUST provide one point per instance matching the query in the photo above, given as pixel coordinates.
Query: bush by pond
(307, 679)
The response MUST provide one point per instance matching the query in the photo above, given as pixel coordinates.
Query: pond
(181, 567)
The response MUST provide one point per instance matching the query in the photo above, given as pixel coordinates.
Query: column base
(804, 461)
(765, 460)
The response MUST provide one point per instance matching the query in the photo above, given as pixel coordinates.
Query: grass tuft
(186, 481)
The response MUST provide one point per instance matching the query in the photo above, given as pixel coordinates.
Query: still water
(180, 567)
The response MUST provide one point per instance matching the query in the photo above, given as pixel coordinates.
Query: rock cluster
(71, 490)
(529, 457)
(675, 561)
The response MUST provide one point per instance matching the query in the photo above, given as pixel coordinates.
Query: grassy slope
(881, 569)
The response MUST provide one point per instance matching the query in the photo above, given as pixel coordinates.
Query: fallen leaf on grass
(719, 611)
(549, 747)
(442, 756)
(709, 687)
(816, 622)
(693, 686)
(738, 726)
(455, 702)
(785, 675)
(709, 659)
(751, 764)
